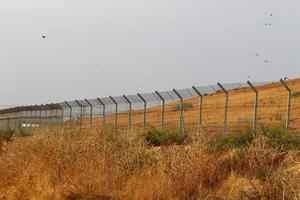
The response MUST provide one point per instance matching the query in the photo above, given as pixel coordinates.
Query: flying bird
(44, 36)
(265, 24)
(271, 14)
(257, 54)
(266, 61)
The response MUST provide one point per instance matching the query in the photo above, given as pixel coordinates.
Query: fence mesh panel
(165, 109)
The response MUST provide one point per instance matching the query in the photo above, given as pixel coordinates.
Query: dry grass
(93, 165)
(69, 165)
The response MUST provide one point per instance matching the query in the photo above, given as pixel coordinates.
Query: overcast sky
(96, 48)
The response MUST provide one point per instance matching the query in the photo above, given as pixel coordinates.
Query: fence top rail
(151, 98)
(31, 108)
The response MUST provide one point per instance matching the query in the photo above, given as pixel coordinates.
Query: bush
(279, 137)
(158, 137)
(296, 94)
(6, 135)
(221, 142)
(276, 136)
(185, 107)
(24, 133)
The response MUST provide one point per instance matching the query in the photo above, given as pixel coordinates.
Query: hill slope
(272, 109)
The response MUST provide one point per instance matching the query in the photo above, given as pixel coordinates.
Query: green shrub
(157, 137)
(296, 94)
(231, 141)
(277, 136)
(185, 107)
(24, 133)
(6, 135)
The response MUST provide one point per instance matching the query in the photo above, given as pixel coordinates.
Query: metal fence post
(43, 107)
(25, 118)
(71, 110)
(226, 108)
(7, 122)
(162, 109)
(255, 106)
(30, 116)
(181, 121)
(288, 114)
(40, 115)
(2, 120)
(62, 116)
(81, 113)
(103, 112)
(91, 111)
(116, 115)
(200, 109)
(50, 115)
(129, 111)
(46, 116)
(36, 109)
(10, 120)
(145, 109)
(36, 117)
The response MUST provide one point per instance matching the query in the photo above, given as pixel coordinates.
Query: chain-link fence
(227, 108)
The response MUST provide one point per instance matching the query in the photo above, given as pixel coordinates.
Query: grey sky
(111, 47)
